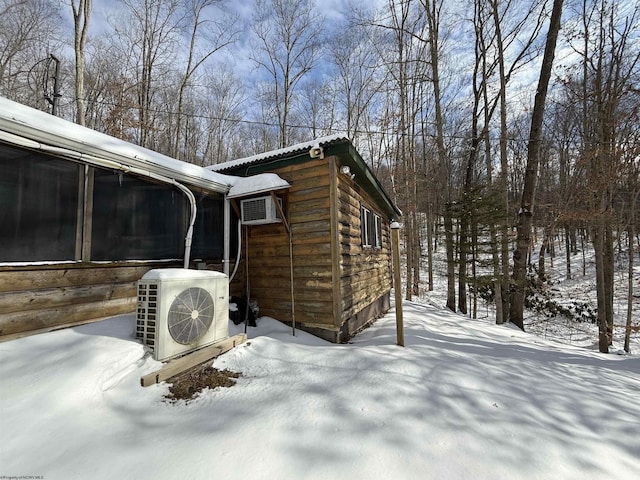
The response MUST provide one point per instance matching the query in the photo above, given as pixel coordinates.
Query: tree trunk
(432, 10)
(463, 249)
(417, 253)
(430, 228)
(81, 16)
(474, 276)
(598, 246)
(497, 275)
(567, 246)
(627, 331)
(451, 266)
(609, 267)
(502, 273)
(541, 259)
(525, 214)
(630, 235)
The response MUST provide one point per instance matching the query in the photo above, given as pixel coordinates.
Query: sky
(237, 55)
(463, 399)
(102, 9)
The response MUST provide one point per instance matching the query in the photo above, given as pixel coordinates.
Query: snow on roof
(263, 182)
(282, 152)
(25, 122)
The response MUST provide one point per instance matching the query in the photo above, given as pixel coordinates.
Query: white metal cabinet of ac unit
(181, 310)
(259, 211)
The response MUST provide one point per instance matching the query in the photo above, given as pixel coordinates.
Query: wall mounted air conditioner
(260, 210)
(181, 310)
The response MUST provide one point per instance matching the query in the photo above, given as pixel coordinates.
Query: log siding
(307, 209)
(338, 284)
(34, 300)
(366, 273)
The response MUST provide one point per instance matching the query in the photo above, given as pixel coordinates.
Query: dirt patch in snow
(188, 384)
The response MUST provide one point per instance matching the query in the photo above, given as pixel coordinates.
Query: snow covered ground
(464, 399)
(579, 289)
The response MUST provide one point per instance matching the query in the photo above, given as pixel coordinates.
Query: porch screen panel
(208, 231)
(38, 206)
(134, 219)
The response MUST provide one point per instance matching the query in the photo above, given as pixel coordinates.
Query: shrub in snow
(539, 298)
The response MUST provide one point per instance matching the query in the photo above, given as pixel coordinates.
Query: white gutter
(235, 267)
(227, 239)
(101, 162)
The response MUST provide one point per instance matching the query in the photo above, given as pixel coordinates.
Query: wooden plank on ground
(181, 364)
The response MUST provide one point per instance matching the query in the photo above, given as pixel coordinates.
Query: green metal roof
(336, 145)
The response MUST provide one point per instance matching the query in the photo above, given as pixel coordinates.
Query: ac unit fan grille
(254, 210)
(190, 315)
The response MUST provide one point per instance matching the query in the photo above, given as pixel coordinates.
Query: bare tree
(288, 39)
(404, 59)
(315, 108)
(563, 131)
(147, 37)
(28, 34)
(223, 108)
(506, 36)
(81, 17)
(220, 33)
(600, 98)
(610, 68)
(631, 231)
(433, 9)
(359, 80)
(108, 92)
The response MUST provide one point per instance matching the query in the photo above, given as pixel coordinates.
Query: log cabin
(325, 265)
(84, 216)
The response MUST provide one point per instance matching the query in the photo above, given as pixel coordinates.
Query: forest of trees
(483, 123)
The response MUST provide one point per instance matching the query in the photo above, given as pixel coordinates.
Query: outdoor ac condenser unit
(260, 210)
(181, 310)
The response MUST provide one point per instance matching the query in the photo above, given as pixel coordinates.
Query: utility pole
(56, 85)
(397, 282)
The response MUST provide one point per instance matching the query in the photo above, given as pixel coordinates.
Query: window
(370, 228)
(38, 206)
(378, 231)
(365, 216)
(134, 219)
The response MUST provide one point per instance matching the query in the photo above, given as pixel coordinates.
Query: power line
(263, 123)
(328, 129)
